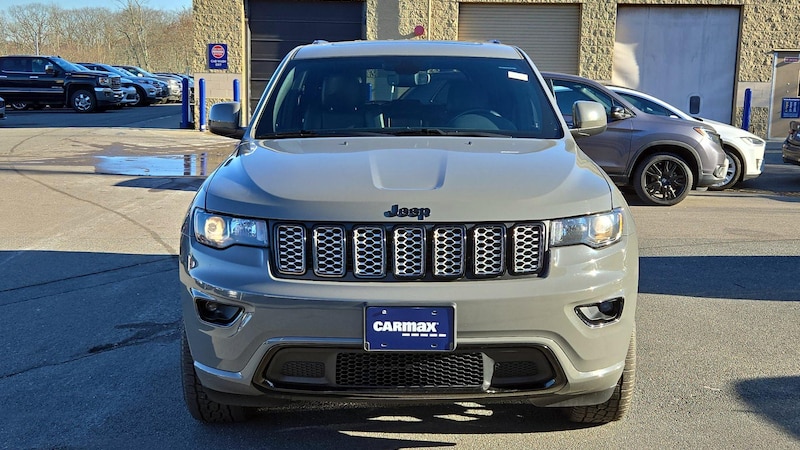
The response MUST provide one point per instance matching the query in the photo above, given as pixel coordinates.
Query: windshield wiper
(418, 132)
(289, 134)
(317, 133)
(441, 132)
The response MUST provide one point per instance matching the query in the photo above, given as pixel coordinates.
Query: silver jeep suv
(408, 220)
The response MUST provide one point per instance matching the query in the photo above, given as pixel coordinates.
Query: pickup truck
(50, 80)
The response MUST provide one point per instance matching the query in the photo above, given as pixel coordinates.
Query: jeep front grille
(407, 252)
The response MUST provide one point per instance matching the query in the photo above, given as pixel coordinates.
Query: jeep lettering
(419, 213)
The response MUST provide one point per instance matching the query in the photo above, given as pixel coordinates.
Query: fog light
(217, 313)
(599, 314)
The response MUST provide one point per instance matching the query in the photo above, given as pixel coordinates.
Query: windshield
(68, 66)
(124, 72)
(426, 95)
(138, 72)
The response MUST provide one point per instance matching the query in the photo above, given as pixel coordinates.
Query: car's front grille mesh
(116, 82)
(408, 252)
(394, 370)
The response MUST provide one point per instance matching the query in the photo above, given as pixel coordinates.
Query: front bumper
(713, 173)
(290, 327)
(790, 151)
(129, 96)
(753, 160)
(107, 96)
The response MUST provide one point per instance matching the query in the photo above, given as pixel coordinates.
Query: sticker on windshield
(517, 76)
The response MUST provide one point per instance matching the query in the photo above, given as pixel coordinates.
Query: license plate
(409, 328)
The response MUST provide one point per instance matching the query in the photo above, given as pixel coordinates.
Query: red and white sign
(217, 51)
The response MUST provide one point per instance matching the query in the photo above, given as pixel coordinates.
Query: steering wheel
(481, 119)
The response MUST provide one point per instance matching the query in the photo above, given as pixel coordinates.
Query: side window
(567, 93)
(37, 65)
(647, 106)
(15, 64)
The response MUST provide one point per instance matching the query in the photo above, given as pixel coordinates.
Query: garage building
(700, 55)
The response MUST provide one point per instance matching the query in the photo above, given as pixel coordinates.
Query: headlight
(752, 140)
(598, 230)
(219, 231)
(104, 81)
(714, 136)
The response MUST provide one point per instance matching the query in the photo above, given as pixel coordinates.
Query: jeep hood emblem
(419, 213)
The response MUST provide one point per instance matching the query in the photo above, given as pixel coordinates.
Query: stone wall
(766, 25)
(218, 22)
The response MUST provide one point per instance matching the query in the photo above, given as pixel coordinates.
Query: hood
(455, 178)
(94, 74)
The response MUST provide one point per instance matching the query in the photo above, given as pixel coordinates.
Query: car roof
(322, 49)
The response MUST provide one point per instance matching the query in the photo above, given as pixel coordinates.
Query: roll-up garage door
(549, 34)
(684, 55)
(278, 26)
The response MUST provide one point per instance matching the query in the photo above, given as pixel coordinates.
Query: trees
(130, 34)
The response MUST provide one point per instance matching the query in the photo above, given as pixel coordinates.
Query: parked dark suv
(662, 158)
(50, 80)
(149, 89)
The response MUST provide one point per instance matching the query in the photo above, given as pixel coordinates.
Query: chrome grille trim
(329, 251)
(369, 250)
(528, 249)
(386, 252)
(449, 251)
(489, 251)
(291, 239)
(409, 252)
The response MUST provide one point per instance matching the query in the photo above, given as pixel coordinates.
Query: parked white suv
(408, 220)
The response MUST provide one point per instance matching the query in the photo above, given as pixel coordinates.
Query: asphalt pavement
(90, 327)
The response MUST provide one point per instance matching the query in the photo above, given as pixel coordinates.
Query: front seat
(342, 105)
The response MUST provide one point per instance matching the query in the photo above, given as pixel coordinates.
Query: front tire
(199, 405)
(733, 174)
(142, 99)
(663, 179)
(619, 403)
(83, 101)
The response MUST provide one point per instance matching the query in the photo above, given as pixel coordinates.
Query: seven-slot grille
(411, 252)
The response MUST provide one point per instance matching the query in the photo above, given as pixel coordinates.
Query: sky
(170, 5)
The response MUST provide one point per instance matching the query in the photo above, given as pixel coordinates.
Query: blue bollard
(748, 96)
(236, 89)
(202, 104)
(185, 104)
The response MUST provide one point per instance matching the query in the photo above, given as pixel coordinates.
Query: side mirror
(619, 113)
(49, 69)
(223, 119)
(794, 125)
(588, 118)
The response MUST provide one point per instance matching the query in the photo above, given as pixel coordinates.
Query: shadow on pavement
(775, 399)
(731, 277)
